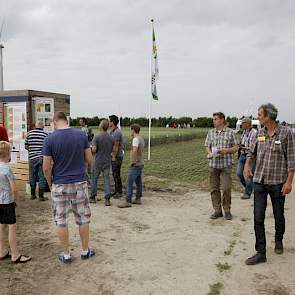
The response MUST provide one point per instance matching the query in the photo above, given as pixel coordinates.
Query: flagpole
(150, 127)
(150, 111)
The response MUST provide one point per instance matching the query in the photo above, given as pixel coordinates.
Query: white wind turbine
(1, 59)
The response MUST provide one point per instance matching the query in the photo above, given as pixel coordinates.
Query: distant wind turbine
(1, 58)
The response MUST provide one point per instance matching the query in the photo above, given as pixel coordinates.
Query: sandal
(64, 260)
(90, 253)
(6, 256)
(22, 259)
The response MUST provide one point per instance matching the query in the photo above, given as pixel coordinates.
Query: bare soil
(166, 246)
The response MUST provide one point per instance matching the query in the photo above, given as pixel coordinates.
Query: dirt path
(165, 246)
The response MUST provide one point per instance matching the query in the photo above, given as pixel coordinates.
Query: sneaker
(90, 253)
(124, 204)
(245, 197)
(116, 195)
(255, 259)
(137, 201)
(107, 202)
(92, 200)
(64, 260)
(228, 216)
(216, 215)
(279, 248)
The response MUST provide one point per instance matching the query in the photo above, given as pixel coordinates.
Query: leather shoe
(255, 259)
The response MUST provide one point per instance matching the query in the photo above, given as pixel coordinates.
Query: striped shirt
(34, 142)
(248, 137)
(275, 155)
(219, 139)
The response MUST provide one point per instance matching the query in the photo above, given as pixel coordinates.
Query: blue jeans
(260, 202)
(106, 180)
(247, 184)
(134, 175)
(36, 174)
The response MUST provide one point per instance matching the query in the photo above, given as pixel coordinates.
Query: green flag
(155, 69)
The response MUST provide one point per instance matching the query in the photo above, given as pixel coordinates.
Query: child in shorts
(8, 201)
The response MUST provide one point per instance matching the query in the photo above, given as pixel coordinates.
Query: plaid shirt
(275, 155)
(248, 137)
(225, 138)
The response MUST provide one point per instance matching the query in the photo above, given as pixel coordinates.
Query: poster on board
(44, 112)
(16, 123)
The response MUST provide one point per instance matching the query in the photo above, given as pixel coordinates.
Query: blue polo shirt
(67, 149)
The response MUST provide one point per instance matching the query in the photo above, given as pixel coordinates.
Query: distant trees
(201, 122)
(232, 121)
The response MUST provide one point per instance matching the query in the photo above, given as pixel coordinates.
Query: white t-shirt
(135, 142)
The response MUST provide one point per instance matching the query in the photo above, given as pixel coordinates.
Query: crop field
(163, 135)
(160, 132)
(181, 162)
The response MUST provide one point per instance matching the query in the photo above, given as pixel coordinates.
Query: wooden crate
(22, 175)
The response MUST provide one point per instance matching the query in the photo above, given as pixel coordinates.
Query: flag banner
(155, 69)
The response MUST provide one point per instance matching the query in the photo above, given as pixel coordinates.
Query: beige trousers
(220, 179)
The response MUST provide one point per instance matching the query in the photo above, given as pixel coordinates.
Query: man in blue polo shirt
(68, 149)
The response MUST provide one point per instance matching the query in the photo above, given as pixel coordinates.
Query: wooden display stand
(20, 110)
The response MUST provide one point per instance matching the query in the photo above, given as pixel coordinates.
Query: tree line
(200, 122)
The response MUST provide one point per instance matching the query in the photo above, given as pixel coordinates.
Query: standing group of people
(61, 161)
(108, 150)
(266, 165)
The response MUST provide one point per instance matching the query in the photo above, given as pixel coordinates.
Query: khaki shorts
(70, 197)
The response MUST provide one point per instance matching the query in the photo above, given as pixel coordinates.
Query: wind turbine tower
(1, 60)
(1, 68)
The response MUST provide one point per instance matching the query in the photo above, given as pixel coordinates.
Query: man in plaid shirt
(274, 151)
(220, 145)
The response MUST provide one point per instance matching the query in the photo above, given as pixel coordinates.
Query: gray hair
(269, 110)
(104, 125)
(40, 124)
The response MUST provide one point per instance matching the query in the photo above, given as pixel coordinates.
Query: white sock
(84, 252)
(67, 256)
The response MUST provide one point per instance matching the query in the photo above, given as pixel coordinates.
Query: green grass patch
(230, 249)
(222, 267)
(215, 289)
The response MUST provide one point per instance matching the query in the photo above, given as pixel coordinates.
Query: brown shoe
(255, 259)
(136, 201)
(216, 215)
(279, 248)
(124, 204)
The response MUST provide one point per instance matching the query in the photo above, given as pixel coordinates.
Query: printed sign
(44, 112)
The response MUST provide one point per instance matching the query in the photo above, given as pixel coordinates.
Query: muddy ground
(166, 246)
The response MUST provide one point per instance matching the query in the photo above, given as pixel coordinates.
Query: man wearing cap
(248, 136)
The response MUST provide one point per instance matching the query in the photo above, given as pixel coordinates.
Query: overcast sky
(228, 55)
